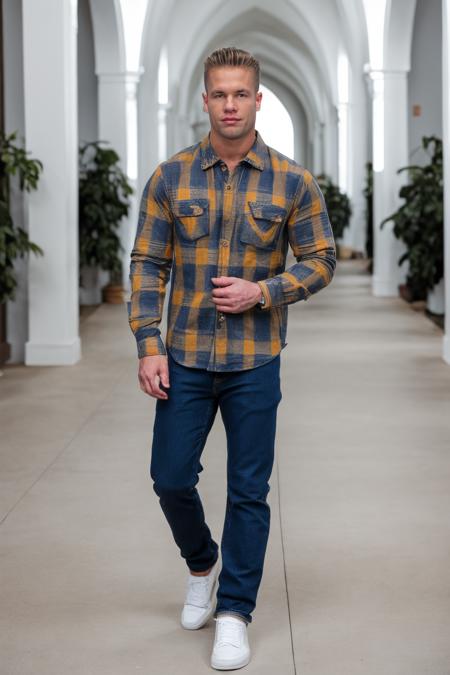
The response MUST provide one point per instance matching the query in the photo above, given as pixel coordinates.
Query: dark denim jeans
(248, 402)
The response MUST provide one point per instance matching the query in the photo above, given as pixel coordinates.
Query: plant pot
(406, 292)
(5, 350)
(436, 298)
(90, 291)
(113, 294)
(344, 252)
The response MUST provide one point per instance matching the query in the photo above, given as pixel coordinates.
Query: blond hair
(231, 56)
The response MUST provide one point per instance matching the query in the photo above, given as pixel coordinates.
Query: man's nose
(230, 103)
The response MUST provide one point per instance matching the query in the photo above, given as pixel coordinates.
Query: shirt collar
(256, 156)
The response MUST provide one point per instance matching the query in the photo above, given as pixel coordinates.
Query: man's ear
(205, 102)
(258, 100)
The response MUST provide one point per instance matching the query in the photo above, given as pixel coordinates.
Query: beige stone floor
(357, 574)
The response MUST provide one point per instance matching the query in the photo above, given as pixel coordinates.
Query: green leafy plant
(103, 201)
(338, 205)
(368, 195)
(419, 222)
(14, 241)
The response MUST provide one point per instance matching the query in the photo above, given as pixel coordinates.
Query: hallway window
(133, 19)
(275, 124)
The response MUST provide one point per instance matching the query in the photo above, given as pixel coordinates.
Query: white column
(446, 144)
(331, 145)
(118, 126)
(317, 148)
(50, 88)
(390, 153)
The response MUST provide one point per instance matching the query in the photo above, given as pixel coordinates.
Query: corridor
(357, 575)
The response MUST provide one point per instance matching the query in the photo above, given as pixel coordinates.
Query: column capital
(384, 73)
(123, 77)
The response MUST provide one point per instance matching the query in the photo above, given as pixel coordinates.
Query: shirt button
(228, 187)
(224, 243)
(223, 167)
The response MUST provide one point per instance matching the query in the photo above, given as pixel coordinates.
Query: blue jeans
(248, 401)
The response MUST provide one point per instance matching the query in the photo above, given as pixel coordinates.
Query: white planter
(90, 290)
(436, 298)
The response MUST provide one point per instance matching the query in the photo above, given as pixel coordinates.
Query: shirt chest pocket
(191, 218)
(262, 225)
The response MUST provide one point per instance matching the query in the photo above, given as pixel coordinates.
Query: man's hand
(153, 371)
(235, 295)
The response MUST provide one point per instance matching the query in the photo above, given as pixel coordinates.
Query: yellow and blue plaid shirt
(198, 221)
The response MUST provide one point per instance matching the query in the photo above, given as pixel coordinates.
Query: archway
(275, 123)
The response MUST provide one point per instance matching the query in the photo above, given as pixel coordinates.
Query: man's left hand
(235, 295)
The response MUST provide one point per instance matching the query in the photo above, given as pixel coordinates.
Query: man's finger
(228, 310)
(220, 293)
(226, 302)
(223, 281)
(164, 375)
(159, 393)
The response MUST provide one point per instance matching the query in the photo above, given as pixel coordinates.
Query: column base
(60, 354)
(385, 288)
(446, 349)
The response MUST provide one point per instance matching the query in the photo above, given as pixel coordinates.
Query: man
(221, 215)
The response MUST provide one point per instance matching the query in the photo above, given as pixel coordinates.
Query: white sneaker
(231, 649)
(199, 604)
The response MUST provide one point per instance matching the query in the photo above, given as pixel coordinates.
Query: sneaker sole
(217, 665)
(202, 622)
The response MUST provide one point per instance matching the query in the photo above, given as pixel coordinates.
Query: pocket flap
(190, 207)
(271, 212)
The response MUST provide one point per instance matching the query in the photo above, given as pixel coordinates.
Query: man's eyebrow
(243, 90)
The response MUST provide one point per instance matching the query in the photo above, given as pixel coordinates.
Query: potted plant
(368, 195)
(419, 223)
(338, 207)
(103, 201)
(14, 241)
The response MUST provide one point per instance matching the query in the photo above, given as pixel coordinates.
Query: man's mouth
(230, 119)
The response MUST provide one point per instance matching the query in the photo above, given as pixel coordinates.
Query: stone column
(390, 153)
(446, 144)
(50, 92)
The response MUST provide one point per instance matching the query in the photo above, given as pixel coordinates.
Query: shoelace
(197, 591)
(229, 633)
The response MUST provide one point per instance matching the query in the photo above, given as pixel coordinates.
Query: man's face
(231, 101)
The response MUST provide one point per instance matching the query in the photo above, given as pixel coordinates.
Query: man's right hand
(153, 371)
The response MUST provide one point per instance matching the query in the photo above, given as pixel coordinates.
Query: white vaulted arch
(109, 45)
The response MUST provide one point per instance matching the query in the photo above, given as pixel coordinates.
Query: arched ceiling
(399, 25)
(109, 45)
(273, 37)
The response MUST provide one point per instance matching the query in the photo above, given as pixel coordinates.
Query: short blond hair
(231, 56)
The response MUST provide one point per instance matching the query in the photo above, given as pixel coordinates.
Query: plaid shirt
(200, 221)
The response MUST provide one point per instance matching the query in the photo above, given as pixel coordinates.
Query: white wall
(17, 312)
(425, 78)
(87, 79)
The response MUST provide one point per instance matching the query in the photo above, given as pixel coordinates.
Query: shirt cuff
(266, 293)
(151, 346)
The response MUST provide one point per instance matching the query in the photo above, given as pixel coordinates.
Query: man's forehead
(237, 77)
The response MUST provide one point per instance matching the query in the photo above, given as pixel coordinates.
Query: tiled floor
(357, 574)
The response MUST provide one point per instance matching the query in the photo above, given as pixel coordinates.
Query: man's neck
(233, 150)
